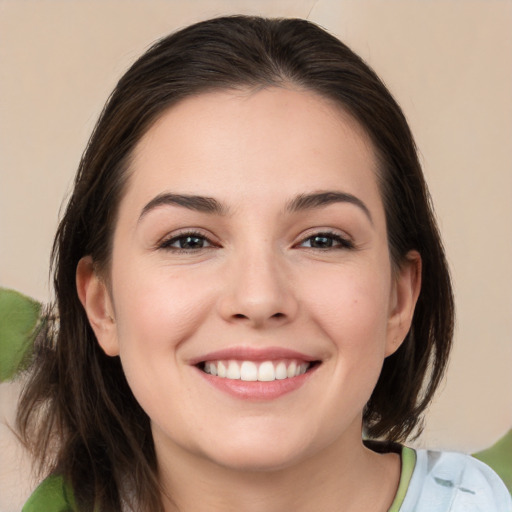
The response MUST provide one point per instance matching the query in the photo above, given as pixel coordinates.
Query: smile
(256, 374)
(252, 371)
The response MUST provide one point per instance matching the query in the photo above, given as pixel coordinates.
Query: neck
(343, 477)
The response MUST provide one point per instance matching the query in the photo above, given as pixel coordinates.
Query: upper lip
(253, 354)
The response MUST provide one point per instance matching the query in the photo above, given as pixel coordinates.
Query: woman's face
(252, 300)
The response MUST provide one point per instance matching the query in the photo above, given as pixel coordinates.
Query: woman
(247, 274)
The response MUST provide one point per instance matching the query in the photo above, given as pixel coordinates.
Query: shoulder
(454, 482)
(52, 495)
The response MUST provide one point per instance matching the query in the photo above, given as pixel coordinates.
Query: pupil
(191, 242)
(321, 242)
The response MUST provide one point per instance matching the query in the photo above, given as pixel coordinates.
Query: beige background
(447, 62)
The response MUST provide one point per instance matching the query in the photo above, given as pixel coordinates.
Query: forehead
(246, 144)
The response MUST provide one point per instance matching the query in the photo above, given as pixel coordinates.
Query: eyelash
(166, 244)
(341, 242)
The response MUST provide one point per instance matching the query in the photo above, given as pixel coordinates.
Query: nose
(258, 291)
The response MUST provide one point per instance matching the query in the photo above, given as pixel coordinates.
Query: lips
(260, 374)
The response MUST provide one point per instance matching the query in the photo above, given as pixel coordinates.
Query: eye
(186, 242)
(326, 241)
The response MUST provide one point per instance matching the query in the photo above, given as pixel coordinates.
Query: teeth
(248, 371)
(281, 371)
(267, 371)
(233, 371)
(221, 369)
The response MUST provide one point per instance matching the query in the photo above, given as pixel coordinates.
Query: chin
(260, 453)
(258, 460)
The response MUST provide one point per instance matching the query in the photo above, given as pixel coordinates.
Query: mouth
(256, 374)
(255, 370)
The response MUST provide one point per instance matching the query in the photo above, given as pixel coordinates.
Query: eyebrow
(210, 205)
(192, 202)
(320, 199)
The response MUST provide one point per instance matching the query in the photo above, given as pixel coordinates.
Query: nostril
(241, 316)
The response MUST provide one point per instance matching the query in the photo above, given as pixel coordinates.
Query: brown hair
(77, 396)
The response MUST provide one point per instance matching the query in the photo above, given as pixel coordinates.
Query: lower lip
(256, 390)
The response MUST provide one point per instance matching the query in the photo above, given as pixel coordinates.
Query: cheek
(156, 307)
(350, 300)
(351, 307)
(156, 310)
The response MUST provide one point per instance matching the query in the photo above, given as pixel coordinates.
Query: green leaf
(499, 457)
(19, 318)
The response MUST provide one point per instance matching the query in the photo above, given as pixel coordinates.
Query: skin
(257, 282)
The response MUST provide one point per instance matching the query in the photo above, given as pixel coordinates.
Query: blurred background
(448, 63)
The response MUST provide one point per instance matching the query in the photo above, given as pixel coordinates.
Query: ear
(405, 293)
(97, 303)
